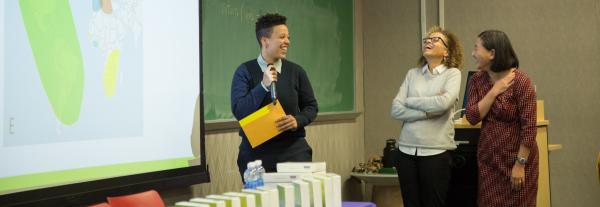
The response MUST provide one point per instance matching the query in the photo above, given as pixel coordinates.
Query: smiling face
(276, 46)
(483, 57)
(434, 46)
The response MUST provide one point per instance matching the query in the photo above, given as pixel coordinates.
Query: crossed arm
(418, 108)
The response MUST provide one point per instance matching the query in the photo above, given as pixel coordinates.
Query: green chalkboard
(321, 34)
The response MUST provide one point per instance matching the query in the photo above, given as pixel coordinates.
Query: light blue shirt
(434, 92)
(263, 66)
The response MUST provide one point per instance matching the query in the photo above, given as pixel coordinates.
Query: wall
(392, 38)
(557, 43)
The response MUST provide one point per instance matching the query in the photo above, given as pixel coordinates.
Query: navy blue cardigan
(294, 92)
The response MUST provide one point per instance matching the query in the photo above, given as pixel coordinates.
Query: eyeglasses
(434, 40)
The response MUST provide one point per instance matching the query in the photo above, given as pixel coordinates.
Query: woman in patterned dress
(502, 97)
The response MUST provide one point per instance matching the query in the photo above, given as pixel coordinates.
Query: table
(368, 180)
(357, 204)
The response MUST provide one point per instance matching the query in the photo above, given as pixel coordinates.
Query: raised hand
(269, 76)
(503, 84)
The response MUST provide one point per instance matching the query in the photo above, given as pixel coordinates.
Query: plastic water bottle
(250, 176)
(260, 172)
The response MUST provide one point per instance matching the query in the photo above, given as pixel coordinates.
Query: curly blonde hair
(455, 56)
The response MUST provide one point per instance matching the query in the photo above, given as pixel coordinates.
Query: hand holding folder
(260, 126)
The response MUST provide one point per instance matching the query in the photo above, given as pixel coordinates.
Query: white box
(327, 188)
(272, 185)
(246, 200)
(286, 195)
(262, 197)
(302, 193)
(210, 202)
(314, 186)
(301, 167)
(190, 204)
(229, 201)
(282, 177)
(337, 189)
(273, 195)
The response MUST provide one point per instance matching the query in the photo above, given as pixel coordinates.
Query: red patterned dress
(511, 121)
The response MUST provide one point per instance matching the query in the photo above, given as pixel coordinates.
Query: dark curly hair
(455, 56)
(264, 25)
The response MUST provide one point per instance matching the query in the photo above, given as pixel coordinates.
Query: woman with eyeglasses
(502, 97)
(425, 105)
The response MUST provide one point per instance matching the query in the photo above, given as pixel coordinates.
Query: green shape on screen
(55, 46)
(111, 69)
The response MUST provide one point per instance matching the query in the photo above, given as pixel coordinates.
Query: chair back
(144, 199)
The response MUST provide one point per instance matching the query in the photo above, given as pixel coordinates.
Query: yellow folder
(260, 126)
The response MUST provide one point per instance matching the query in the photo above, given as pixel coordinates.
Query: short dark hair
(505, 57)
(265, 24)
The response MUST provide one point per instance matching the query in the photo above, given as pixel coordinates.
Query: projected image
(73, 70)
(96, 89)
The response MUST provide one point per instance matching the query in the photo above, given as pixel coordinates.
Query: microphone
(273, 88)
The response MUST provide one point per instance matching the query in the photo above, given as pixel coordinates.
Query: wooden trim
(336, 116)
(464, 124)
(230, 124)
(214, 125)
(553, 147)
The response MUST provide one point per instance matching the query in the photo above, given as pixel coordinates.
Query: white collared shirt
(264, 65)
(436, 71)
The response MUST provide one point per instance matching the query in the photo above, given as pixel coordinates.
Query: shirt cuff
(264, 87)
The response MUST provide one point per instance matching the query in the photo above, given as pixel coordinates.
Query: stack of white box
(307, 185)
(296, 184)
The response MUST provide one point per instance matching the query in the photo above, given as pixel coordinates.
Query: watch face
(522, 160)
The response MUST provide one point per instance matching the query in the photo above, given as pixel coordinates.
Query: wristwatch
(522, 160)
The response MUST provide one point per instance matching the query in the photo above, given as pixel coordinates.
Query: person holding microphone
(259, 82)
